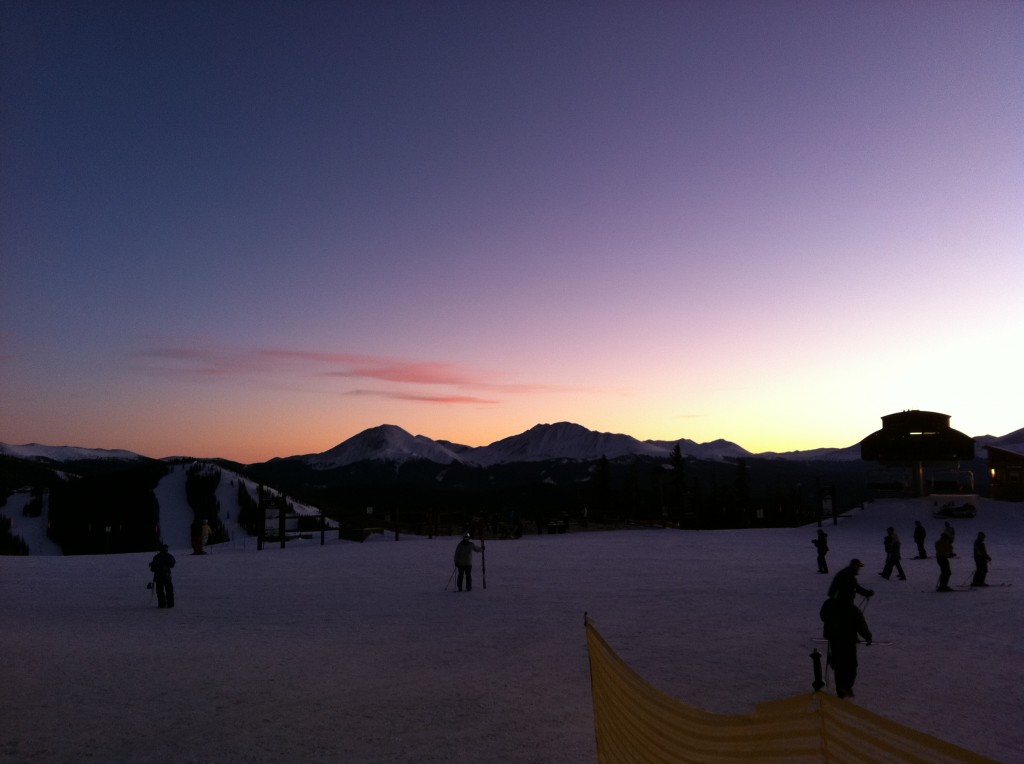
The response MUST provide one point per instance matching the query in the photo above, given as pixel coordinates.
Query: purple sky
(254, 229)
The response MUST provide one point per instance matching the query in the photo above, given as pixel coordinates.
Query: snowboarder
(845, 587)
(205, 532)
(844, 622)
(981, 561)
(464, 562)
(892, 555)
(919, 536)
(161, 565)
(943, 551)
(821, 544)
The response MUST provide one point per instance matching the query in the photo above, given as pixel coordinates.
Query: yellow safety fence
(634, 722)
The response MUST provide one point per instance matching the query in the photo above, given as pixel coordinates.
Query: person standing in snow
(844, 623)
(943, 551)
(161, 565)
(981, 561)
(919, 536)
(464, 562)
(892, 555)
(845, 587)
(821, 544)
(950, 531)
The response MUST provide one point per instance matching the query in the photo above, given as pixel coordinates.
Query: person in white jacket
(464, 562)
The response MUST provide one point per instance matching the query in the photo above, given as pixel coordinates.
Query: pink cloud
(445, 399)
(219, 362)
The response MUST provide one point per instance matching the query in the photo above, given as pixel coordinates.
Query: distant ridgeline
(552, 476)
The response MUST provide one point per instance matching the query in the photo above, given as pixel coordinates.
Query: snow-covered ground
(356, 653)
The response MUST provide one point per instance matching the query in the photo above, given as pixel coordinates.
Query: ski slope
(354, 652)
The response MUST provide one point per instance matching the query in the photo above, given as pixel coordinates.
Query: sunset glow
(251, 230)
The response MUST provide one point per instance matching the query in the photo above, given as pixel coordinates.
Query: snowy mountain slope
(563, 440)
(175, 514)
(386, 442)
(36, 451)
(543, 442)
(1013, 441)
(714, 449)
(850, 453)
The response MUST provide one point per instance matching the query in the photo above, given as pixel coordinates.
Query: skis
(859, 642)
(950, 590)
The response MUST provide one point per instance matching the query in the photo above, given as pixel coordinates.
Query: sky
(381, 661)
(284, 223)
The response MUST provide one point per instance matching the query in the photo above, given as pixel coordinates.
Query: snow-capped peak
(562, 440)
(386, 442)
(37, 452)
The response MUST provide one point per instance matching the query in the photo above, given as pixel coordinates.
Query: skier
(161, 565)
(950, 531)
(943, 551)
(892, 555)
(919, 535)
(981, 561)
(845, 587)
(844, 621)
(464, 562)
(821, 543)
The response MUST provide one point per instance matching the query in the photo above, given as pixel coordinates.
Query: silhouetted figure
(845, 587)
(950, 531)
(943, 552)
(161, 565)
(844, 622)
(821, 544)
(919, 536)
(981, 561)
(892, 555)
(464, 562)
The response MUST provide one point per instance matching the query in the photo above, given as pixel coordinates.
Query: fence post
(817, 684)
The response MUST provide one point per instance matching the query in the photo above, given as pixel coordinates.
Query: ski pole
(450, 579)
(483, 557)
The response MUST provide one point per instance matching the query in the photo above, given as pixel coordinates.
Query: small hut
(1006, 469)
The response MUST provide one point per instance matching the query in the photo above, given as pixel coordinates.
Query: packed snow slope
(357, 653)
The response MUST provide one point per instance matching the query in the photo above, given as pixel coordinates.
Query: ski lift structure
(913, 441)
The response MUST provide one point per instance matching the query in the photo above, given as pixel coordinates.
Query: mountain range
(543, 442)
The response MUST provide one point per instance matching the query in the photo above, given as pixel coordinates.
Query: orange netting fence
(634, 722)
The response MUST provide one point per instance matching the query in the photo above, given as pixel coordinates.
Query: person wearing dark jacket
(844, 623)
(892, 555)
(981, 561)
(821, 543)
(919, 536)
(161, 565)
(943, 551)
(464, 562)
(845, 587)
